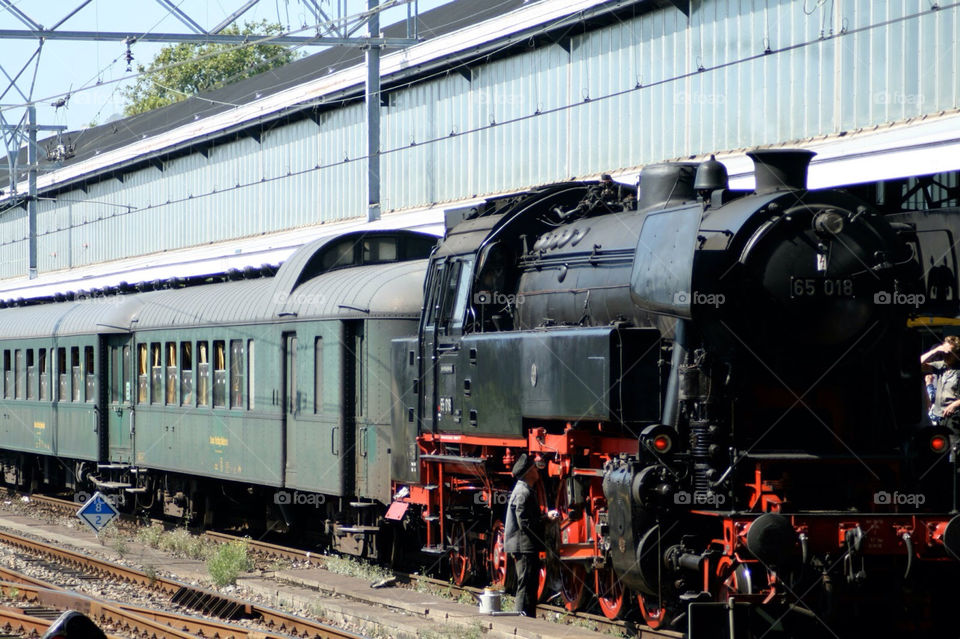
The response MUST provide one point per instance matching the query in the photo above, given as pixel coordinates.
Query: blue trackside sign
(97, 512)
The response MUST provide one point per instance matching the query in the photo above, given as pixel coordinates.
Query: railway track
(272, 551)
(156, 623)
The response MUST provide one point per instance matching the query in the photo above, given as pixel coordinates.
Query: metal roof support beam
(32, 182)
(373, 114)
(182, 16)
(121, 36)
(20, 15)
(233, 16)
(71, 14)
(334, 26)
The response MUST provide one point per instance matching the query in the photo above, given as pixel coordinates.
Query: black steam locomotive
(722, 385)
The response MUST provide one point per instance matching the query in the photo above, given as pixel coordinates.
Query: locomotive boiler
(722, 386)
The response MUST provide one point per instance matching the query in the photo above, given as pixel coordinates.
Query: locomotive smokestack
(780, 169)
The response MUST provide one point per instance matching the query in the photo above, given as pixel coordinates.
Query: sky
(95, 73)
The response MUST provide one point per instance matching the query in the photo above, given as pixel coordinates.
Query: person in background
(524, 532)
(944, 361)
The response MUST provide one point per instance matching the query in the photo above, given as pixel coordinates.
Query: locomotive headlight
(662, 444)
(828, 223)
(658, 438)
(939, 443)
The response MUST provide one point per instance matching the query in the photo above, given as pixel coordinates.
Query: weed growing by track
(354, 568)
(180, 542)
(228, 562)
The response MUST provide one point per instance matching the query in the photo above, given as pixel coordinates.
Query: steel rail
(206, 601)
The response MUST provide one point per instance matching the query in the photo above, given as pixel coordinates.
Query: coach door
(119, 398)
(313, 420)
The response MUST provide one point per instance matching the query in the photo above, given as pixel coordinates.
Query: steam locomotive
(721, 385)
(722, 388)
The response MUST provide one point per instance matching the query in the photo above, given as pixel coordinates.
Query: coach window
(236, 373)
(7, 375)
(31, 374)
(186, 373)
(63, 377)
(18, 374)
(219, 375)
(142, 380)
(44, 376)
(381, 249)
(250, 369)
(156, 374)
(203, 374)
(171, 348)
(90, 371)
(318, 375)
(76, 381)
(115, 375)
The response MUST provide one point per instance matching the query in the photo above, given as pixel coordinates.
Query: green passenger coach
(271, 392)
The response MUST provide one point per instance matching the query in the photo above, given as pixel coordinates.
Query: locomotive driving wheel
(737, 579)
(497, 556)
(610, 593)
(461, 554)
(651, 610)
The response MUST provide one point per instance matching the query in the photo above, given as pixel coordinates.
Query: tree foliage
(180, 71)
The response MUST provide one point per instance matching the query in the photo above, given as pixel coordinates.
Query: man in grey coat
(523, 533)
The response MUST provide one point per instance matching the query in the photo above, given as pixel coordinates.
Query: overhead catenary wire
(258, 40)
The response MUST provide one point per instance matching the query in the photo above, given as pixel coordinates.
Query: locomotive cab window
(186, 374)
(450, 294)
(90, 374)
(31, 374)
